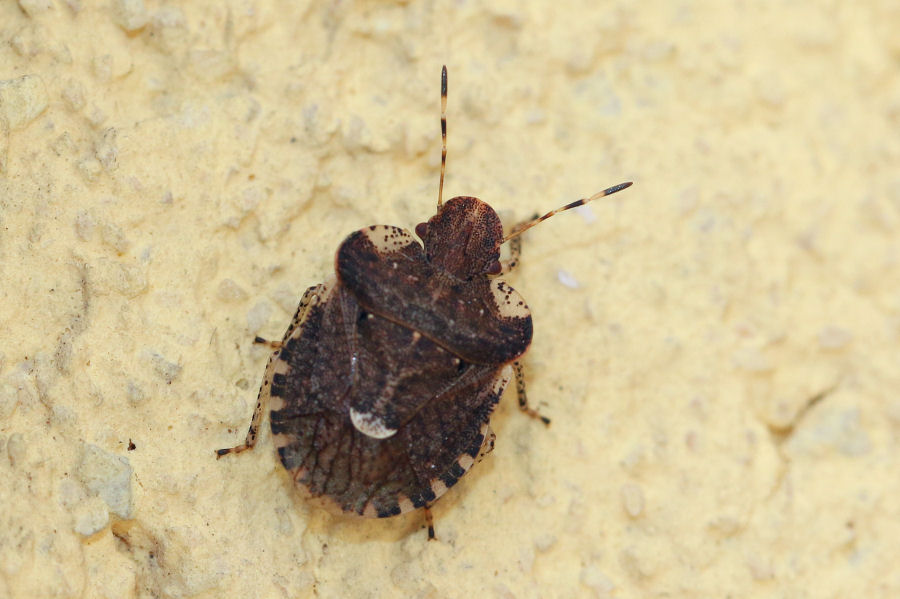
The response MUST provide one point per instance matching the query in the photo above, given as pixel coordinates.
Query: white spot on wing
(370, 425)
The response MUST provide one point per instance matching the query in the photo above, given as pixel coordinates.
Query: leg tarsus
(523, 398)
(272, 344)
(252, 433)
(236, 449)
(429, 521)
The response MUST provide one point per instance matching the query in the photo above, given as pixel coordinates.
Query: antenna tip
(616, 188)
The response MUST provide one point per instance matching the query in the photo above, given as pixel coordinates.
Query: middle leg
(523, 398)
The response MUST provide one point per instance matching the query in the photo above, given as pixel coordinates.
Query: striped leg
(429, 521)
(253, 432)
(523, 398)
(515, 250)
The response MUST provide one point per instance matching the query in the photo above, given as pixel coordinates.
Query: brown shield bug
(381, 390)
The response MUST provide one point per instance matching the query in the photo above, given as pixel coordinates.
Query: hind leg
(429, 522)
(253, 432)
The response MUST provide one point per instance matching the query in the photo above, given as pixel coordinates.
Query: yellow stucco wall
(717, 346)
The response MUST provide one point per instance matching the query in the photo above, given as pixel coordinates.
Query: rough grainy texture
(722, 376)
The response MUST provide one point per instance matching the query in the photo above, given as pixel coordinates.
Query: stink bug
(381, 390)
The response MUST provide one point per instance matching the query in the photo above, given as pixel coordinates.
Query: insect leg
(515, 250)
(253, 432)
(523, 398)
(302, 309)
(487, 446)
(429, 521)
(272, 344)
(515, 247)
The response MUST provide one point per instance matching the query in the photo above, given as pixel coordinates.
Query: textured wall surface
(718, 346)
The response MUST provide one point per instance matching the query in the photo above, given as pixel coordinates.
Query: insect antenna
(522, 227)
(443, 134)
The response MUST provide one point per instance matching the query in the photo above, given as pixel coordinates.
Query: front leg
(515, 247)
(515, 250)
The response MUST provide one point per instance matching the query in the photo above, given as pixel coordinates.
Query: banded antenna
(522, 227)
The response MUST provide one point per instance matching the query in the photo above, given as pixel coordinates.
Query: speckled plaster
(717, 346)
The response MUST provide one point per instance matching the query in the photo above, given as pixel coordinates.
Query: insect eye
(494, 268)
(422, 230)
(363, 315)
